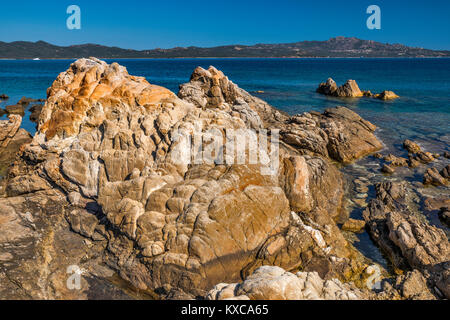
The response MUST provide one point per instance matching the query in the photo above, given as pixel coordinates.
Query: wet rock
(433, 177)
(411, 146)
(387, 169)
(446, 172)
(12, 137)
(354, 225)
(444, 215)
(424, 157)
(396, 161)
(26, 101)
(413, 163)
(349, 89)
(338, 133)
(327, 88)
(378, 155)
(386, 95)
(274, 283)
(367, 93)
(3, 97)
(17, 109)
(82, 222)
(446, 154)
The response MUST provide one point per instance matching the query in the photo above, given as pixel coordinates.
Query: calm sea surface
(422, 113)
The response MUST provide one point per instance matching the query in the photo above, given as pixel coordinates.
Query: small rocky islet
(97, 187)
(350, 89)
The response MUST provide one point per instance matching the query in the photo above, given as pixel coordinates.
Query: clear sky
(148, 24)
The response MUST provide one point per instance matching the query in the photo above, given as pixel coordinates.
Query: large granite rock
(405, 236)
(106, 149)
(349, 89)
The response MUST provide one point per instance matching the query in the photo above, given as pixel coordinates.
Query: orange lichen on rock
(92, 87)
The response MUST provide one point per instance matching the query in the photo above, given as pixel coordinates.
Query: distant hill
(335, 47)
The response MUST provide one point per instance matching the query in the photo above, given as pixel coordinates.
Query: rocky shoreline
(97, 187)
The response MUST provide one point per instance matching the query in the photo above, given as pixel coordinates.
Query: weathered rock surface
(446, 172)
(395, 161)
(408, 240)
(386, 95)
(413, 286)
(351, 90)
(12, 137)
(411, 146)
(106, 152)
(35, 112)
(339, 134)
(274, 283)
(354, 225)
(432, 176)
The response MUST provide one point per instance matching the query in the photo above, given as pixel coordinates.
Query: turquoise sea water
(422, 112)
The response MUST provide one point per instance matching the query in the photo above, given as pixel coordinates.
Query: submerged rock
(17, 109)
(387, 169)
(396, 161)
(12, 137)
(338, 133)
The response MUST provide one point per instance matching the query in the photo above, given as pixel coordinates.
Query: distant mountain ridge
(335, 47)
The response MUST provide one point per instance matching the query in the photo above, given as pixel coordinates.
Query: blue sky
(147, 24)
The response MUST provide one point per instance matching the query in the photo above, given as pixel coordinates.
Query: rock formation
(432, 176)
(274, 283)
(105, 162)
(338, 133)
(386, 95)
(105, 185)
(350, 89)
(12, 137)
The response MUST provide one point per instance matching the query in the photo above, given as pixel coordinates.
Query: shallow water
(422, 112)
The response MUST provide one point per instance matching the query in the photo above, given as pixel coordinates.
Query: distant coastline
(340, 47)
